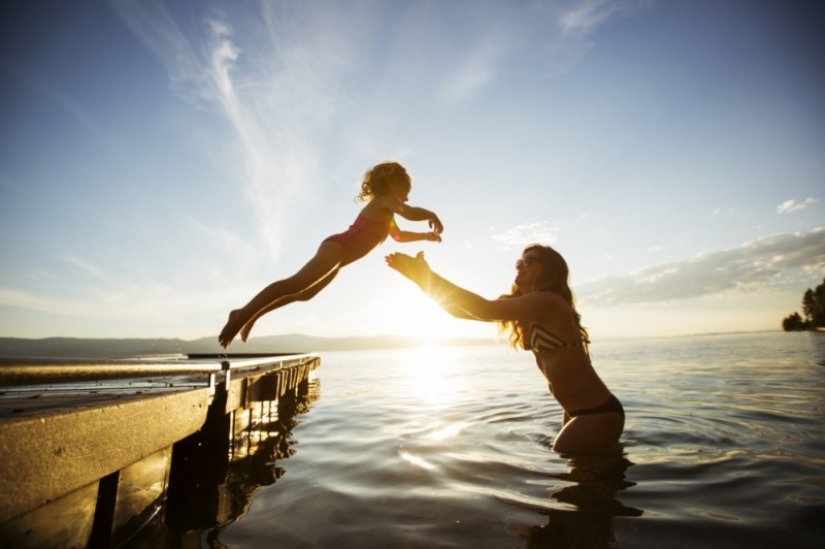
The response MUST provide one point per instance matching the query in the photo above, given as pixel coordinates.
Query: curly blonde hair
(378, 180)
(553, 277)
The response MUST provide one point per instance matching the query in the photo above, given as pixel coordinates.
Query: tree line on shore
(813, 309)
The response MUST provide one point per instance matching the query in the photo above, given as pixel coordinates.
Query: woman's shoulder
(550, 298)
(550, 306)
(532, 307)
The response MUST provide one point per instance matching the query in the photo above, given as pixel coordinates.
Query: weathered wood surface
(89, 419)
(47, 456)
(32, 371)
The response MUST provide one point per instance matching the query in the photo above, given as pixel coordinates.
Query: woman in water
(540, 316)
(385, 188)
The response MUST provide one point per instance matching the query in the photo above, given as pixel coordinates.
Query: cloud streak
(474, 74)
(757, 266)
(274, 87)
(517, 237)
(279, 73)
(588, 15)
(793, 206)
(530, 40)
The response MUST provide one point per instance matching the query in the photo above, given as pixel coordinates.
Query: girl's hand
(432, 237)
(435, 225)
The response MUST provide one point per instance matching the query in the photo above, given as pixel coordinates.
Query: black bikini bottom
(612, 405)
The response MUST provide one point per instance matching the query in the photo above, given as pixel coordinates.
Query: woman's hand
(414, 268)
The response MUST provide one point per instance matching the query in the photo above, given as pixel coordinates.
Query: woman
(540, 316)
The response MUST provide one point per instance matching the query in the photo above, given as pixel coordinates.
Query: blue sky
(160, 162)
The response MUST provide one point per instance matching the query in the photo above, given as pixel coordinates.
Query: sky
(161, 162)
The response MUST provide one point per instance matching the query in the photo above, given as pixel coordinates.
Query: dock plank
(71, 448)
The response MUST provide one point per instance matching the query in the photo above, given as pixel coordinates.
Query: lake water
(724, 447)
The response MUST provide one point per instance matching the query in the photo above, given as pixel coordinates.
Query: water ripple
(724, 446)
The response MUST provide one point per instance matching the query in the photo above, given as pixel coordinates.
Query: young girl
(385, 189)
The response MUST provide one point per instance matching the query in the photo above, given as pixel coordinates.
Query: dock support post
(199, 463)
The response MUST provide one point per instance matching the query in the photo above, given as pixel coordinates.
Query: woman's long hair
(553, 277)
(379, 178)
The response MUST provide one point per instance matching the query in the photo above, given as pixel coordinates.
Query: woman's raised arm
(460, 302)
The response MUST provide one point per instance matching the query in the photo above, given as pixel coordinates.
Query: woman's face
(528, 269)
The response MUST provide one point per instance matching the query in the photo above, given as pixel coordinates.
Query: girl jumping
(385, 189)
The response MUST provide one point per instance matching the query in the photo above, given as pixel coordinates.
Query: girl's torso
(369, 229)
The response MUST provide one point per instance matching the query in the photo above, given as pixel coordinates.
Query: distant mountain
(67, 347)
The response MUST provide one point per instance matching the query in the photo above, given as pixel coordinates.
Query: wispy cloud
(586, 16)
(224, 239)
(99, 275)
(276, 88)
(793, 206)
(474, 73)
(282, 74)
(25, 300)
(756, 266)
(123, 301)
(532, 40)
(540, 232)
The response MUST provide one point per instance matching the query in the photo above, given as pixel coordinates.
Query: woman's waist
(574, 401)
(577, 390)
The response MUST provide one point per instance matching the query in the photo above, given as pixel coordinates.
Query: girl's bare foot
(246, 329)
(230, 330)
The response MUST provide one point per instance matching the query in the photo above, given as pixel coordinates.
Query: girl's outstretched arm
(414, 213)
(410, 236)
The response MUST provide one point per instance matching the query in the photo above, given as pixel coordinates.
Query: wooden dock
(94, 450)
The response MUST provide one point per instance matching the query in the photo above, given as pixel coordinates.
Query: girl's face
(401, 190)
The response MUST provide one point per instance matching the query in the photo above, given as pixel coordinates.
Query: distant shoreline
(71, 347)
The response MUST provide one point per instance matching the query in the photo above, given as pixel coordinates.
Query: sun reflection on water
(432, 374)
(448, 431)
(416, 460)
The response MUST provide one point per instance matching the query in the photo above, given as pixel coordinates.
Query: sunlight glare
(445, 432)
(432, 374)
(417, 461)
(413, 314)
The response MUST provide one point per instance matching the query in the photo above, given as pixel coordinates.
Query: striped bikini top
(541, 340)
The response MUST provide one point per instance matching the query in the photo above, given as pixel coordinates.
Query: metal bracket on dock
(212, 383)
(226, 368)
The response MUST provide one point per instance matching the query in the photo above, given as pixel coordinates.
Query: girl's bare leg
(304, 295)
(327, 258)
(589, 433)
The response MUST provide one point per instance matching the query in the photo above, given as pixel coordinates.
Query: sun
(414, 315)
(431, 374)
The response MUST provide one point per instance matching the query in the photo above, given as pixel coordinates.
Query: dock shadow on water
(213, 486)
